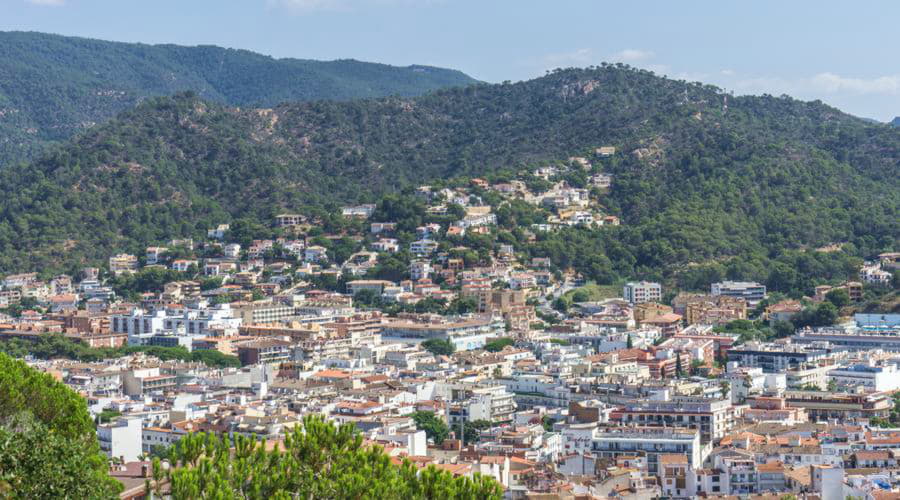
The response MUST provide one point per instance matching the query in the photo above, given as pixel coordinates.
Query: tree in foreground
(48, 448)
(316, 460)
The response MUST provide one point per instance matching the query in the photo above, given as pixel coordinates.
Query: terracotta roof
(771, 467)
(673, 459)
(332, 374)
(872, 455)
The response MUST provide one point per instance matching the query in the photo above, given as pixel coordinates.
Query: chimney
(145, 470)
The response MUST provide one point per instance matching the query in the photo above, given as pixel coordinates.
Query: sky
(845, 53)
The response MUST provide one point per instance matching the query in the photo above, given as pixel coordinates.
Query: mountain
(52, 87)
(700, 176)
(895, 122)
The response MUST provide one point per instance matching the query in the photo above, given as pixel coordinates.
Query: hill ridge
(696, 180)
(53, 86)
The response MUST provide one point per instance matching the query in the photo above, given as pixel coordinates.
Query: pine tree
(317, 459)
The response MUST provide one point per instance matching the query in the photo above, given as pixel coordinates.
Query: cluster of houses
(619, 397)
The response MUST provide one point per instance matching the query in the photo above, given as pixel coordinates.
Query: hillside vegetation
(52, 87)
(701, 178)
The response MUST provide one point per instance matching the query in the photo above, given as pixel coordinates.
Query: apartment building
(423, 247)
(775, 358)
(141, 325)
(638, 292)
(139, 382)
(123, 263)
(264, 351)
(256, 313)
(362, 328)
(709, 310)
(464, 333)
(712, 417)
(121, 438)
(866, 377)
(831, 405)
(494, 404)
(289, 220)
(751, 292)
(651, 442)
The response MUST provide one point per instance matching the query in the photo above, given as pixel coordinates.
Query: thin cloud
(310, 6)
(49, 3)
(632, 55)
(822, 83)
(588, 57)
(833, 83)
(579, 57)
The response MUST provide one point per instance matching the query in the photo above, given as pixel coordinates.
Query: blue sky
(844, 53)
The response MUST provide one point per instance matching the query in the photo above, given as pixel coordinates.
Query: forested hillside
(52, 87)
(700, 176)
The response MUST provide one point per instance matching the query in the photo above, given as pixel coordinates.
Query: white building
(652, 442)
(419, 269)
(141, 326)
(423, 247)
(121, 439)
(219, 232)
(866, 376)
(387, 245)
(154, 254)
(873, 273)
(232, 251)
(183, 265)
(638, 292)
(158, 436)
(315, 253)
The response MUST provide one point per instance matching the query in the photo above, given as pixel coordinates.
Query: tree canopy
(317, 459)
(48, 448)
(704, 193)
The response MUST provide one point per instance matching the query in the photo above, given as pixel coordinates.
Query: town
(449, 347)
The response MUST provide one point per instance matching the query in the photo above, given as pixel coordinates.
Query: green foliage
(499, 344)
(462, 305)
(839, 297)
(436, 429)
(26, 390)
(824, 314)
(106, 416)
(547, 423)
(59, 84)
(750, 330)
(48, 448)
(881, 422)
(210, 283)
(783, 329)
(37, 462)
(439, 347)
(55, 345)
(742, 195)
(317, 460)
(151, 279)
(472, 430)
(592, 292)
(26, 304)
